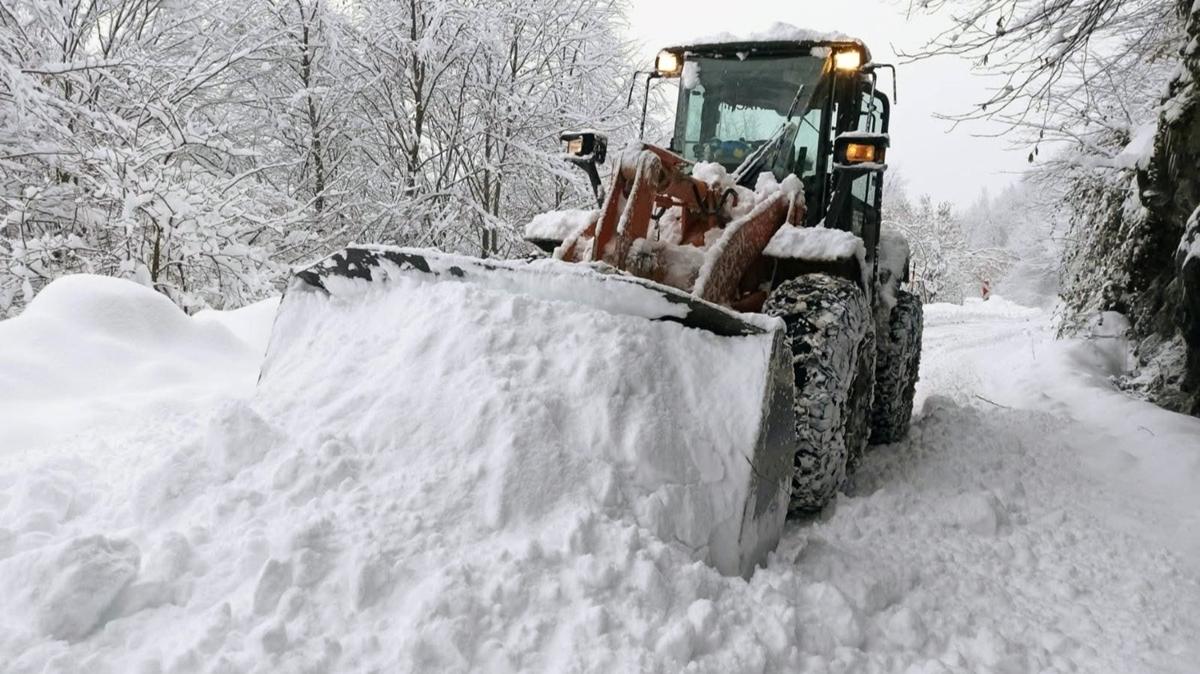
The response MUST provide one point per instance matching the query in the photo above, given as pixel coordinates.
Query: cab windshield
(729, 107)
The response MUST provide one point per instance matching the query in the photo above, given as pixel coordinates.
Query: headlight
(847, 61)
(668, 64)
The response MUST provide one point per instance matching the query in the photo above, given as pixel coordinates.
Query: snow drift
(91, 349)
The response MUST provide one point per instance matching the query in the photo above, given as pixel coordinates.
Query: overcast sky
(949, 166)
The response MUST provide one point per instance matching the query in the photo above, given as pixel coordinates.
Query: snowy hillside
(159, 512)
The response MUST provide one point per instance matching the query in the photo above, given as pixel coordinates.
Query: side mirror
(586, 149)
(584, 146)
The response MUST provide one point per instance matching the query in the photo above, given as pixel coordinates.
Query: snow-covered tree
(202, 147)
(136, 169)
(946, 265)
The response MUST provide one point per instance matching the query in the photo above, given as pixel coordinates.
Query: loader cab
(778, 107)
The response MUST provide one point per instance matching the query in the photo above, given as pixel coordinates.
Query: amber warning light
(858, 153)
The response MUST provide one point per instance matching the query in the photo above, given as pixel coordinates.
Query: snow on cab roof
(774, 32)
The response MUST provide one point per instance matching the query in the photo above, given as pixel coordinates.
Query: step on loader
(760, 218)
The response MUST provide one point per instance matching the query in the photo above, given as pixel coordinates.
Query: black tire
(862, 392)
(897, 364)
(829, 327)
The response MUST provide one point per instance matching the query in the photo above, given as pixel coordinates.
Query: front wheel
(829, 328)
(898, 361)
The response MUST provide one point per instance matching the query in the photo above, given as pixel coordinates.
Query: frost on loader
(759, 225)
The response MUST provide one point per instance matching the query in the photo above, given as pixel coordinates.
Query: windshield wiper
(756, 157)
(795, 102)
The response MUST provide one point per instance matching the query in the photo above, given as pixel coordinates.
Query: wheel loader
(761, 217)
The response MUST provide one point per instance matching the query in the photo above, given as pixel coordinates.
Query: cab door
(866, 192)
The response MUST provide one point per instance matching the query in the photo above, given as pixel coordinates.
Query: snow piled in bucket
(514, 407)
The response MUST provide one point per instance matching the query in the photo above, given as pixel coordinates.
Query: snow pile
(687, 266)
(68, 590)
(251, 324)
(101, 328)
(89, 348)
(559, 225)
(712, 174)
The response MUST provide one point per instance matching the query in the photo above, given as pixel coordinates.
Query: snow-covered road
(154, 517)
(1038, 519)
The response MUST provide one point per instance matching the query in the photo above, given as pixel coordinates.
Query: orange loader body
(656, 178)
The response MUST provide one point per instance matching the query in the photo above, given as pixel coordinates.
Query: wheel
(897, 364)
(829, 328)
(862, 392)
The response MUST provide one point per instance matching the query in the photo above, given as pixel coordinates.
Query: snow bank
(251, 324)
(94, 338)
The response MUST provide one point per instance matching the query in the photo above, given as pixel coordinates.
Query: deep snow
(157, 514)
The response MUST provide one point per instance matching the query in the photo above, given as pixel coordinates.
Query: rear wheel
(830, 330)
(898, 361)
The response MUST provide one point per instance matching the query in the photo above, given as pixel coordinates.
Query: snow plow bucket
(554, 385)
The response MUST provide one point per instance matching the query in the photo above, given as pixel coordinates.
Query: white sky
(949, 166)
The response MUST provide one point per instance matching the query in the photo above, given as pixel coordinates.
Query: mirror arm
(633, 85)
(594, 177)
(646, 102)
